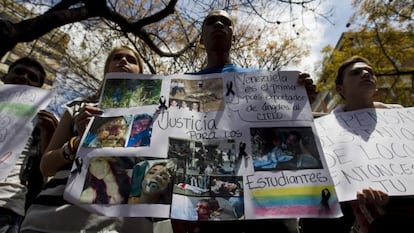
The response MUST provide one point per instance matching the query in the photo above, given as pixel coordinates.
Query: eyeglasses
(32, 77)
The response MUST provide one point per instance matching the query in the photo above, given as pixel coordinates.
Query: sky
(324, 33)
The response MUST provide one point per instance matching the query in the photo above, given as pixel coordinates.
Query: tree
(165, 33)
(385, 36)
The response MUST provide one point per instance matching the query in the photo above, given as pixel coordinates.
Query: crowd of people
(24, 208)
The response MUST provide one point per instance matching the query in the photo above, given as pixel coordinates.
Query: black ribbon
(162, 102)
(78, 163)
(229, 86)
(242, 150)
(325, 198)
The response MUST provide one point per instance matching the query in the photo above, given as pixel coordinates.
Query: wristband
(67, 153)
(71, 145)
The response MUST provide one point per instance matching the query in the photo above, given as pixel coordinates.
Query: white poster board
(19, 105)
(369, 148)
(244, 143)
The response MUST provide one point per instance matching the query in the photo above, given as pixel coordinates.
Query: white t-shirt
(340, 108)
(12, 191)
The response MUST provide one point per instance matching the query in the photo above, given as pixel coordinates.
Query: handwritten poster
(211, 147)
(19, 105)
(369, 148)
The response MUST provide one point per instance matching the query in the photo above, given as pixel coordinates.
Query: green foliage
(386, 39)
(131, 93)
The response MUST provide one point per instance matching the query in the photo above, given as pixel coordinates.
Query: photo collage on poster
(183, 146)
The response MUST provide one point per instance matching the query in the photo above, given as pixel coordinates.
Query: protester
(374, 210)
(25, 180)
(50, 212)
(217, 37)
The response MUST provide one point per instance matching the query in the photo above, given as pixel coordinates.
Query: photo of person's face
(140, 125)
(174, 104)
(112, 131)
(230, 186)
(99, 167)
(156, 179)
(203, 210)
(292, 140)
(184, 104)
(124, 60)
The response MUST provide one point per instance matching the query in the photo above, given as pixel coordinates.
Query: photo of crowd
(214, 157)
(284, 148)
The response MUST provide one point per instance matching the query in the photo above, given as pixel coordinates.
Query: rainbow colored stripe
(293, 202)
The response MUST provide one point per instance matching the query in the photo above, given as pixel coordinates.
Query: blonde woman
(50, 212)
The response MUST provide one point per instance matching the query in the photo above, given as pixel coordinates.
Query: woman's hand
(84, 115)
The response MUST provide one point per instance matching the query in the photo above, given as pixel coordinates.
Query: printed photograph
(152, 182)
(213, 157)
(108, 132)
(284, 148)
(128, 180)
(196, 95)
(141, 131)
(108, 180)
(222, 200)
(126, 93)
(218, 208)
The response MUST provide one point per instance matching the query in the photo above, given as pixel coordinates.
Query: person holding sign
(374, 210)
(50, 212)
(217, 37)
(24, 182)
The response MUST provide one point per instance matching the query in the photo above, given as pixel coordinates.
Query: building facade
(48, 49)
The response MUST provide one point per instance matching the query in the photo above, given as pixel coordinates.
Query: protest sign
(19, 105)
(369, 148)
(243, 145)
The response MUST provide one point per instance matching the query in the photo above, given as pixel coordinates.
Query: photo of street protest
(284, 148)
(213, 157)
(197, 161)
(204, 95)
